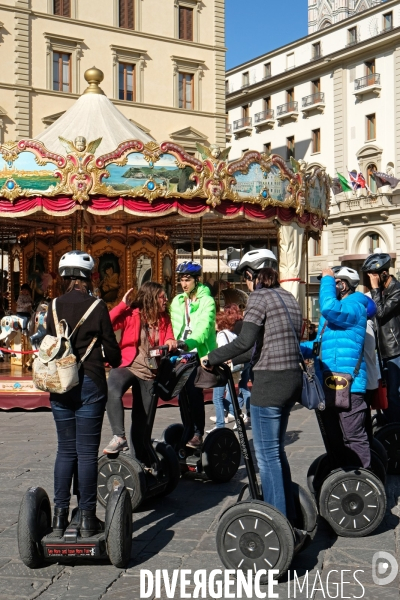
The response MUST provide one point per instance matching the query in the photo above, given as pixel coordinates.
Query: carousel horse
(33, 329)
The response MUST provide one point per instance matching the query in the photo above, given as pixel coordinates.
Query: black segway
(351, 499)
(252, 534)
(37, 542)
(219, 456)
(160, 473)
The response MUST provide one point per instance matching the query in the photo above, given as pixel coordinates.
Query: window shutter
(130, 14)
(185, 23)
(127, 14)
(57, 7)
(66, 8)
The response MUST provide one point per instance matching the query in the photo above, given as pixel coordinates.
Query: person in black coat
(79, 413)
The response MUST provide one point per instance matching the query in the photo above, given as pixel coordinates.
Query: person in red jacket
(144, 324)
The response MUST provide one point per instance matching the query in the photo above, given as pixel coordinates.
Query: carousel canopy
(93, 116)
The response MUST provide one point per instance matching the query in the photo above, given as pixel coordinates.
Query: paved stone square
(177, 532)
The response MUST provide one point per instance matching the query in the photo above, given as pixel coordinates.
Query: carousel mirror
(167, 275)
(143, 270)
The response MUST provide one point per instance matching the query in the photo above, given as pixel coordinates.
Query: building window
(267, 148)
(371, 127)
(267, 70)
(126, 82)
(245, 111)
(62, 8)
(127, 14)
(388, 21)
(374, 242)
(317, 247)
(227, 86)
(61, 72)
(371, 169)
(290, 61)
(245, 79)
(370, 71)
(316, 86)
(290, 149)
(290, 95)
(186, 91)
(316, 50)
(267, 103)
(186, 23)
(352, 37)
(316, 140)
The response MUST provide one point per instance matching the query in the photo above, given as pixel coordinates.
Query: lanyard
(187, 317)
(151, 340)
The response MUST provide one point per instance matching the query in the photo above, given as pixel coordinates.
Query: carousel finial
(94, 77)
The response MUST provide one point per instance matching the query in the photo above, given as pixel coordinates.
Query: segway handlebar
(163, 350)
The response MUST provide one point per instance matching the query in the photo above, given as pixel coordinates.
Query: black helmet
(375, 263)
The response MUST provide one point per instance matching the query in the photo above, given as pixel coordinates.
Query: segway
(219, 457)
(37, 542)
(252, 535)
(351, 499)
(160, 473)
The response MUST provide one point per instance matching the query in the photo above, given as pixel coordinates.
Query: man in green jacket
(193, 320)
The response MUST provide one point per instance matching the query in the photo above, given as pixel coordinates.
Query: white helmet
(76, 264)
(255, 260)
(347, 274)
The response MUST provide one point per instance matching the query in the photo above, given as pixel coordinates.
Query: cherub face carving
(215, 150)
(80, 143)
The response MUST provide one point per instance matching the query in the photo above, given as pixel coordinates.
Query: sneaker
(245, 419)
(117, 444)
(228, 419)
(195, 442)
(300, 537)
(213, 429)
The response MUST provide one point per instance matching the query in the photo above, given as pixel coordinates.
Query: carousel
(94, 181)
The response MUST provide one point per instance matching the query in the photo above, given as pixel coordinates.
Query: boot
(76, 518)
(60, 521)
(90, 524)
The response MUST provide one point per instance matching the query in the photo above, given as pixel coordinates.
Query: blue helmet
(371, 308)
(189, 268)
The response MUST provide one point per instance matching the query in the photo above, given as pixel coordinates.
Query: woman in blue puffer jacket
(341, 334)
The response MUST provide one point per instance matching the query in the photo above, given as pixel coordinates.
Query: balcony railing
(241, 123)
(289, 107)
(317, 98)
(368, 80)
(265, 115)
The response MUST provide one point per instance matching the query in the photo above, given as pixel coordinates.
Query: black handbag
(312, 395)
(210, 379)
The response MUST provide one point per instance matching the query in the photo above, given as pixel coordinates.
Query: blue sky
(254, 27)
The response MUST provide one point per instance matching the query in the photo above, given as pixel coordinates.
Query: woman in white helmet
(79, 413)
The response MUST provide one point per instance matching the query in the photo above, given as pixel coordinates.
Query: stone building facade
(323, 13)
(163, 61)
(332, 99)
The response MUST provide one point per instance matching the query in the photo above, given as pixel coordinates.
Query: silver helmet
(76, 264)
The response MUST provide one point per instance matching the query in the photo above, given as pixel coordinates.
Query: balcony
(228, 132)
(242, 127)
(368, 84)
(288, 111)
(314, 102)
(264, 119)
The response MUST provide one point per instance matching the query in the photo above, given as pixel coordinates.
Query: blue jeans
(78, 415)
(244, 392)
(223, 404)
(392, 367)
(269, 424)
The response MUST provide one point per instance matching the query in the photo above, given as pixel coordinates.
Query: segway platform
(73, 546)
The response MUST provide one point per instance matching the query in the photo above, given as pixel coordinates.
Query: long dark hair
(268, 278)
(147, 301)
(81, 285)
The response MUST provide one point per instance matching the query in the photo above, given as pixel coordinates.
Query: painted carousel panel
(27, 174)
(138, 173)
(258, 182)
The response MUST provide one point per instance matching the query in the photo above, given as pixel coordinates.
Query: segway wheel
(389, 436)
(34, 522)
(317, 473)
(221, 455)
(379, 448)
(353, 502)
(253, 536)
(173, 435)
(119, 539)
(127, 471)
(306, 510)
(170, 464)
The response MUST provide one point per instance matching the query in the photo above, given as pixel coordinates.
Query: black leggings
(119, 382)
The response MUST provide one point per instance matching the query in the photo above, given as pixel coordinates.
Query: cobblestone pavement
(177, 532)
